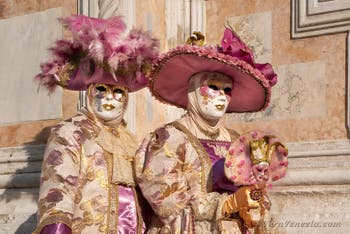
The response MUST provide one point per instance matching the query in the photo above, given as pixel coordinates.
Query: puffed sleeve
(165, 174)
(59, 180)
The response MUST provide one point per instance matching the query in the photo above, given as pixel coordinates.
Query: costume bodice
(217, 151)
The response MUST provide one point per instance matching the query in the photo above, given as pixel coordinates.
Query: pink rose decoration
(228, 163)
(231, 151)
(241, 163)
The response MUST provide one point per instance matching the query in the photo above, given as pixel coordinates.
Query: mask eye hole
(118, 91)
(228, 91)
(101, 88)
(213, 87)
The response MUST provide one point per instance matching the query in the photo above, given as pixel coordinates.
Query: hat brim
(80, 80)
(170, 75)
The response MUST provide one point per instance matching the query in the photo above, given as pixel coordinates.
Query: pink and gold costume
(87, 182)
(86, 187)
(180, 167)
(183, 180)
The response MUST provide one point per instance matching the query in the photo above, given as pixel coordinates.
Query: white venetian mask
(213, 92)
(108, 103)
(261, 172)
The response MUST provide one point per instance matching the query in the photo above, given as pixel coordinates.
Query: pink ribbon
(232, 45)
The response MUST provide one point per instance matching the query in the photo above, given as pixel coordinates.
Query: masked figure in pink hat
(180, 166)
(87, 181)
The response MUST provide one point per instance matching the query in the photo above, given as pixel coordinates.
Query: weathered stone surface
(311, 209)
(24, 41)
(294, 96)
(18, 210)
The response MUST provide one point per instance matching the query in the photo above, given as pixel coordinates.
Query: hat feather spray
(99, 44)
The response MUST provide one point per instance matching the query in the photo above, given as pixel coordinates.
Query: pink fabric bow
(232, 45)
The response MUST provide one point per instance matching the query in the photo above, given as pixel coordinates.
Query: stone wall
(19, 182)
(306, 41)
(28, 28)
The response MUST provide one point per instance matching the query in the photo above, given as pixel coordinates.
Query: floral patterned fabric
(173, 170)
(76, 187)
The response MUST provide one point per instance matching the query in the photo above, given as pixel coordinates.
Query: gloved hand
(248, 202)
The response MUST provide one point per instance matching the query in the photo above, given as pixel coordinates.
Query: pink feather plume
(102, 40)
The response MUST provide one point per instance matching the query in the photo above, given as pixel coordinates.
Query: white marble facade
(24, 43)
(314, 196)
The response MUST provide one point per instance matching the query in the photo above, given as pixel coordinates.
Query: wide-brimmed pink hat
(99, 52)
(251, 81)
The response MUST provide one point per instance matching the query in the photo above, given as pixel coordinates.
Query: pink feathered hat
(239, 162)
(251, 81)
(99, 52)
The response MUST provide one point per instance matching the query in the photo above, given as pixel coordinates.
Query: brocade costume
(87, 183)
(180, 171)
(183, 180)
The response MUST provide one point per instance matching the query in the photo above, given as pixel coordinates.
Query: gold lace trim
(212, 135)
(206, 185)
